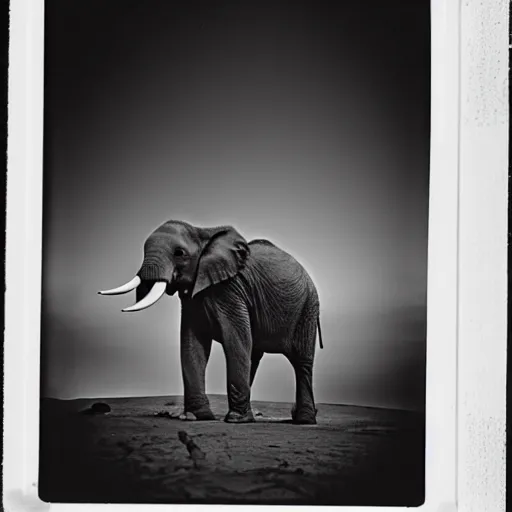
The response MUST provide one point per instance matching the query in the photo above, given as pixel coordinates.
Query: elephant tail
(319, 332)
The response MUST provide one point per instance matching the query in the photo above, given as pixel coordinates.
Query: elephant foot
(205, 415)
(235, 417)
(183, 416)
(304, 416)
(303, 419)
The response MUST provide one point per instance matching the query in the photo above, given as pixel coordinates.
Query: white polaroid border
(466, 331)
(482, 283)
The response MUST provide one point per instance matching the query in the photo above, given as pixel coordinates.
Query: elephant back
(273, 264)
(262, 241)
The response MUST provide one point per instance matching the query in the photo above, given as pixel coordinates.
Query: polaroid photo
(242, 241)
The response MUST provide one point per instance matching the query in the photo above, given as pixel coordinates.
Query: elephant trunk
(161, 275)
(154, 294)
(151, 282)
(155, 271)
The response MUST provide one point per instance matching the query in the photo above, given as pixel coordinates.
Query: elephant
(251, 297)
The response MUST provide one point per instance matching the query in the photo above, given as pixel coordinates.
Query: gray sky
(290, 121)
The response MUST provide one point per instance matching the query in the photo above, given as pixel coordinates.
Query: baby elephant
(250, 297)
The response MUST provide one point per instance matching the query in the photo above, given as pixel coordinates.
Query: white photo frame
(467, 238)
(482, 283)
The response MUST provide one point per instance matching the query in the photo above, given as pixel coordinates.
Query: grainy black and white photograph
(235, 235)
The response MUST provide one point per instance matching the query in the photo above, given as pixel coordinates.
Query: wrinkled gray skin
(250, 297)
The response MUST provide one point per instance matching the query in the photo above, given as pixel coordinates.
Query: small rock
(100, 408)
(274, 446)
(299, 471)
(97, 408)
(162, 413)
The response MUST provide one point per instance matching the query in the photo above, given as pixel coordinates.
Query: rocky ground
(353, 456)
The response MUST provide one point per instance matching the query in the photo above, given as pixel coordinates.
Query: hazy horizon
(221, 395)
(298, 122)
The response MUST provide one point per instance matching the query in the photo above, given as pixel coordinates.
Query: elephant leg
(255, 362)
(302, 355)
(304, 411)
(195, 352)
(237, 349)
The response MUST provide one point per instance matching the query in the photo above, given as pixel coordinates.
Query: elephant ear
(222, 258)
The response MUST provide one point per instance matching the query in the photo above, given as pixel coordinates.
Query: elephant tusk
(125, 288)
(154, 294)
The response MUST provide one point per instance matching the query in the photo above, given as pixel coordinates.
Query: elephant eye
(179, 252)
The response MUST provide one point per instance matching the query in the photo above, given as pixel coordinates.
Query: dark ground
(354, 456)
